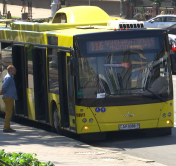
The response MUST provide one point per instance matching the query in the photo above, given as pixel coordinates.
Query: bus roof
(65, 18)
(81, 14)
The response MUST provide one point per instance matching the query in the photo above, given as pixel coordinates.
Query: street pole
(121, 8)
(53, 7)
(89, 2)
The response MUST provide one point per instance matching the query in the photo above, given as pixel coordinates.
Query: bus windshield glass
(122, 68)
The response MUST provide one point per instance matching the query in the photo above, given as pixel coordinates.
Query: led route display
(122, 44)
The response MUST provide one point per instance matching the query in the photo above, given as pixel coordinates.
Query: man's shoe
(9, 130)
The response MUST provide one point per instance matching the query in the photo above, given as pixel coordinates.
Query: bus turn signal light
(86, 128)
(168, 122)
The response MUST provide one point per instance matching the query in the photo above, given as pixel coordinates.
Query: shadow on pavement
(28, 135)
(120, 141)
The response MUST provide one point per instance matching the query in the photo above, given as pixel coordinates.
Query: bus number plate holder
(129, 126)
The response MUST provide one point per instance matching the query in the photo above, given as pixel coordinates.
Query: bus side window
(0, 62)
(53, 75)
(6, 59)
(6, 55)
(30, 82)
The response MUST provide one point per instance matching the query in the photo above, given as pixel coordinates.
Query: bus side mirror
(74, 66)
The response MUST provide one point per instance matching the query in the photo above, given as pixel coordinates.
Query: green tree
(156, 2)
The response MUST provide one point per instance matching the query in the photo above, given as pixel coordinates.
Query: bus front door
(18, 58)
(66, 90)
(40, 84)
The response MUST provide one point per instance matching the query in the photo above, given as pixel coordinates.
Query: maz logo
(128, 115)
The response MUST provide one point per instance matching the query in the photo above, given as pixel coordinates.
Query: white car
(160, 21)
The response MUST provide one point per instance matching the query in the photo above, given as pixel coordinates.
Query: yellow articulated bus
(90, 77)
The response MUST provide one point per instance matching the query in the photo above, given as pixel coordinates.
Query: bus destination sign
(122, 45)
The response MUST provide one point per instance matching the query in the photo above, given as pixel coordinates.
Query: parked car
(160, 21)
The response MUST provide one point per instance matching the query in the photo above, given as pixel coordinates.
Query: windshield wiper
(133, 89)
(155, 95)
(149, 91)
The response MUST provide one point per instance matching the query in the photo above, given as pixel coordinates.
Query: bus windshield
(127, 72)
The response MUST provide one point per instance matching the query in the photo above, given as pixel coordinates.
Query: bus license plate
(129, 126)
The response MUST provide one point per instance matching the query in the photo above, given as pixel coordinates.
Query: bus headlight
(169, 114)
(90, 120)
(164, 115)
(84, 120)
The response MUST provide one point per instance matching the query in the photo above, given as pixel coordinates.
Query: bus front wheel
(56, 121)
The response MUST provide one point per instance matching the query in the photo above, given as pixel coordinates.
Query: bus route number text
(123, 44)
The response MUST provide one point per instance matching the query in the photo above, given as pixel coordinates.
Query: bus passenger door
(66, 90)
(40, 84)
(18, 58)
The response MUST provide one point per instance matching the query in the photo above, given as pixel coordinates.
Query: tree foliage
(21, 159)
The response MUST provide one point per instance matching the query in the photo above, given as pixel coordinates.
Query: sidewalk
(62, 150)
(36, 12)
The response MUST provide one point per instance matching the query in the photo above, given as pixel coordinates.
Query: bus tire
(56, 121)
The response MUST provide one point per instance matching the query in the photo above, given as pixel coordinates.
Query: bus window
(0, 65)
(18, 56)
(124, 71)
(60, 18)
(6, 59)
(70, 80)
(53, 75)
(30, 82)
(40, 84)
(0, 62)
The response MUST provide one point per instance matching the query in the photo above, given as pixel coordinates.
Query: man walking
(23, 3)
(9, 95)
(62, 3)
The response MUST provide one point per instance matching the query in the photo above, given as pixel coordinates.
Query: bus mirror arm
(74, 66)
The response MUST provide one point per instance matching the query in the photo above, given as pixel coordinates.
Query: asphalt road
(159, 149)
